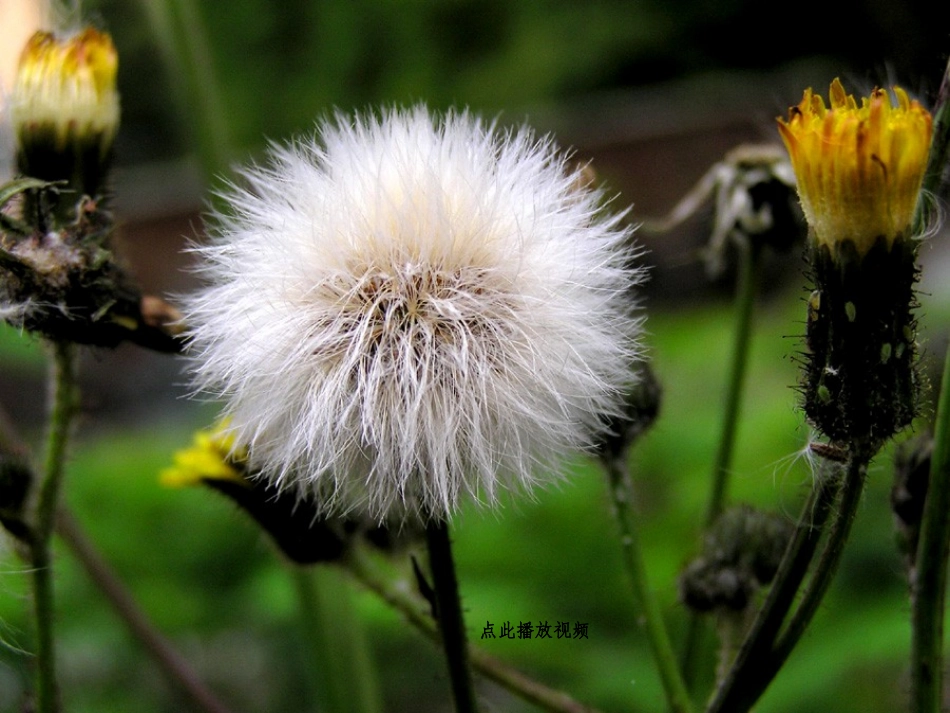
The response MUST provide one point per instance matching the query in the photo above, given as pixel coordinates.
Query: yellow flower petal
(859, 167)
(212, 456)
(68, 85)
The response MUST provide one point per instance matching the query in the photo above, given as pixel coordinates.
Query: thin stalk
(731, 693)
(171, 663)
(343, 677)
(449, 613)
(396, 593)
(63, 398)
(621, 493)
(767, 662)
(746, 288)
(745, 299)
(824, 572)
(929, 584)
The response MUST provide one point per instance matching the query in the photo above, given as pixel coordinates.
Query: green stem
(449, 613)
(64, 399)
(929, 584)
(767, 662)
(342, 674)
(828, 563)
(745, 299)
(734, 693)
(621, 493)
(396, 592)
(746, 288)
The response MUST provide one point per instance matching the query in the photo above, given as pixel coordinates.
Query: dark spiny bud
(741, 553)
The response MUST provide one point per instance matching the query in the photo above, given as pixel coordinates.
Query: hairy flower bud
(859, 169)
(65, 108)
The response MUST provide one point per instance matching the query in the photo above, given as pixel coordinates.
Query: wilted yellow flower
(212, 456)
(859, 167)
(64, 106)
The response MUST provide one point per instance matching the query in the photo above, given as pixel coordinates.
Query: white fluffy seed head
(405, 310)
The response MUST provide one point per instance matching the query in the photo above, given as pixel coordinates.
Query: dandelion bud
(404, 311)
(859, 170)
(65, 109)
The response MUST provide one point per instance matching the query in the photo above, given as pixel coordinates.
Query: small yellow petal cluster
(211, 456)
(69, 86)
(859, 167)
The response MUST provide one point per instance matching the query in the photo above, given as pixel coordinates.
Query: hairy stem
(621, 494)
(734, 693)
(64, 400)
(824, 572)
(449, 612)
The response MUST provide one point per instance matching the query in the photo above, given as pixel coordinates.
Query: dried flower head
(405, 310)
(859, 167)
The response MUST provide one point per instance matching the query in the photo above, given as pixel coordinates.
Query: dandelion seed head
(402, 311)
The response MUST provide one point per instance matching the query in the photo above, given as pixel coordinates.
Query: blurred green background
(652, 91)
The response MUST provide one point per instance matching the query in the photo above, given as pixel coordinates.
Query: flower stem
(745, 299)
(344, 679)
(175, 668)
(621, 493)
(929, 584)
(449, 612)
(64, 399)
(735, 693)
(396, 593)
(746, 287)
(851, 490)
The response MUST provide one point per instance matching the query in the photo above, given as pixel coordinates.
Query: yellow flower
(211, 456)
(65, 90)
(859, 167)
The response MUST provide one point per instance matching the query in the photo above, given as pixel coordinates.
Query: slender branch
(621, 493)
(175, 668)
(397, 593)
(63, 398)
(449, 612)
(929, 585)
(731, 693)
